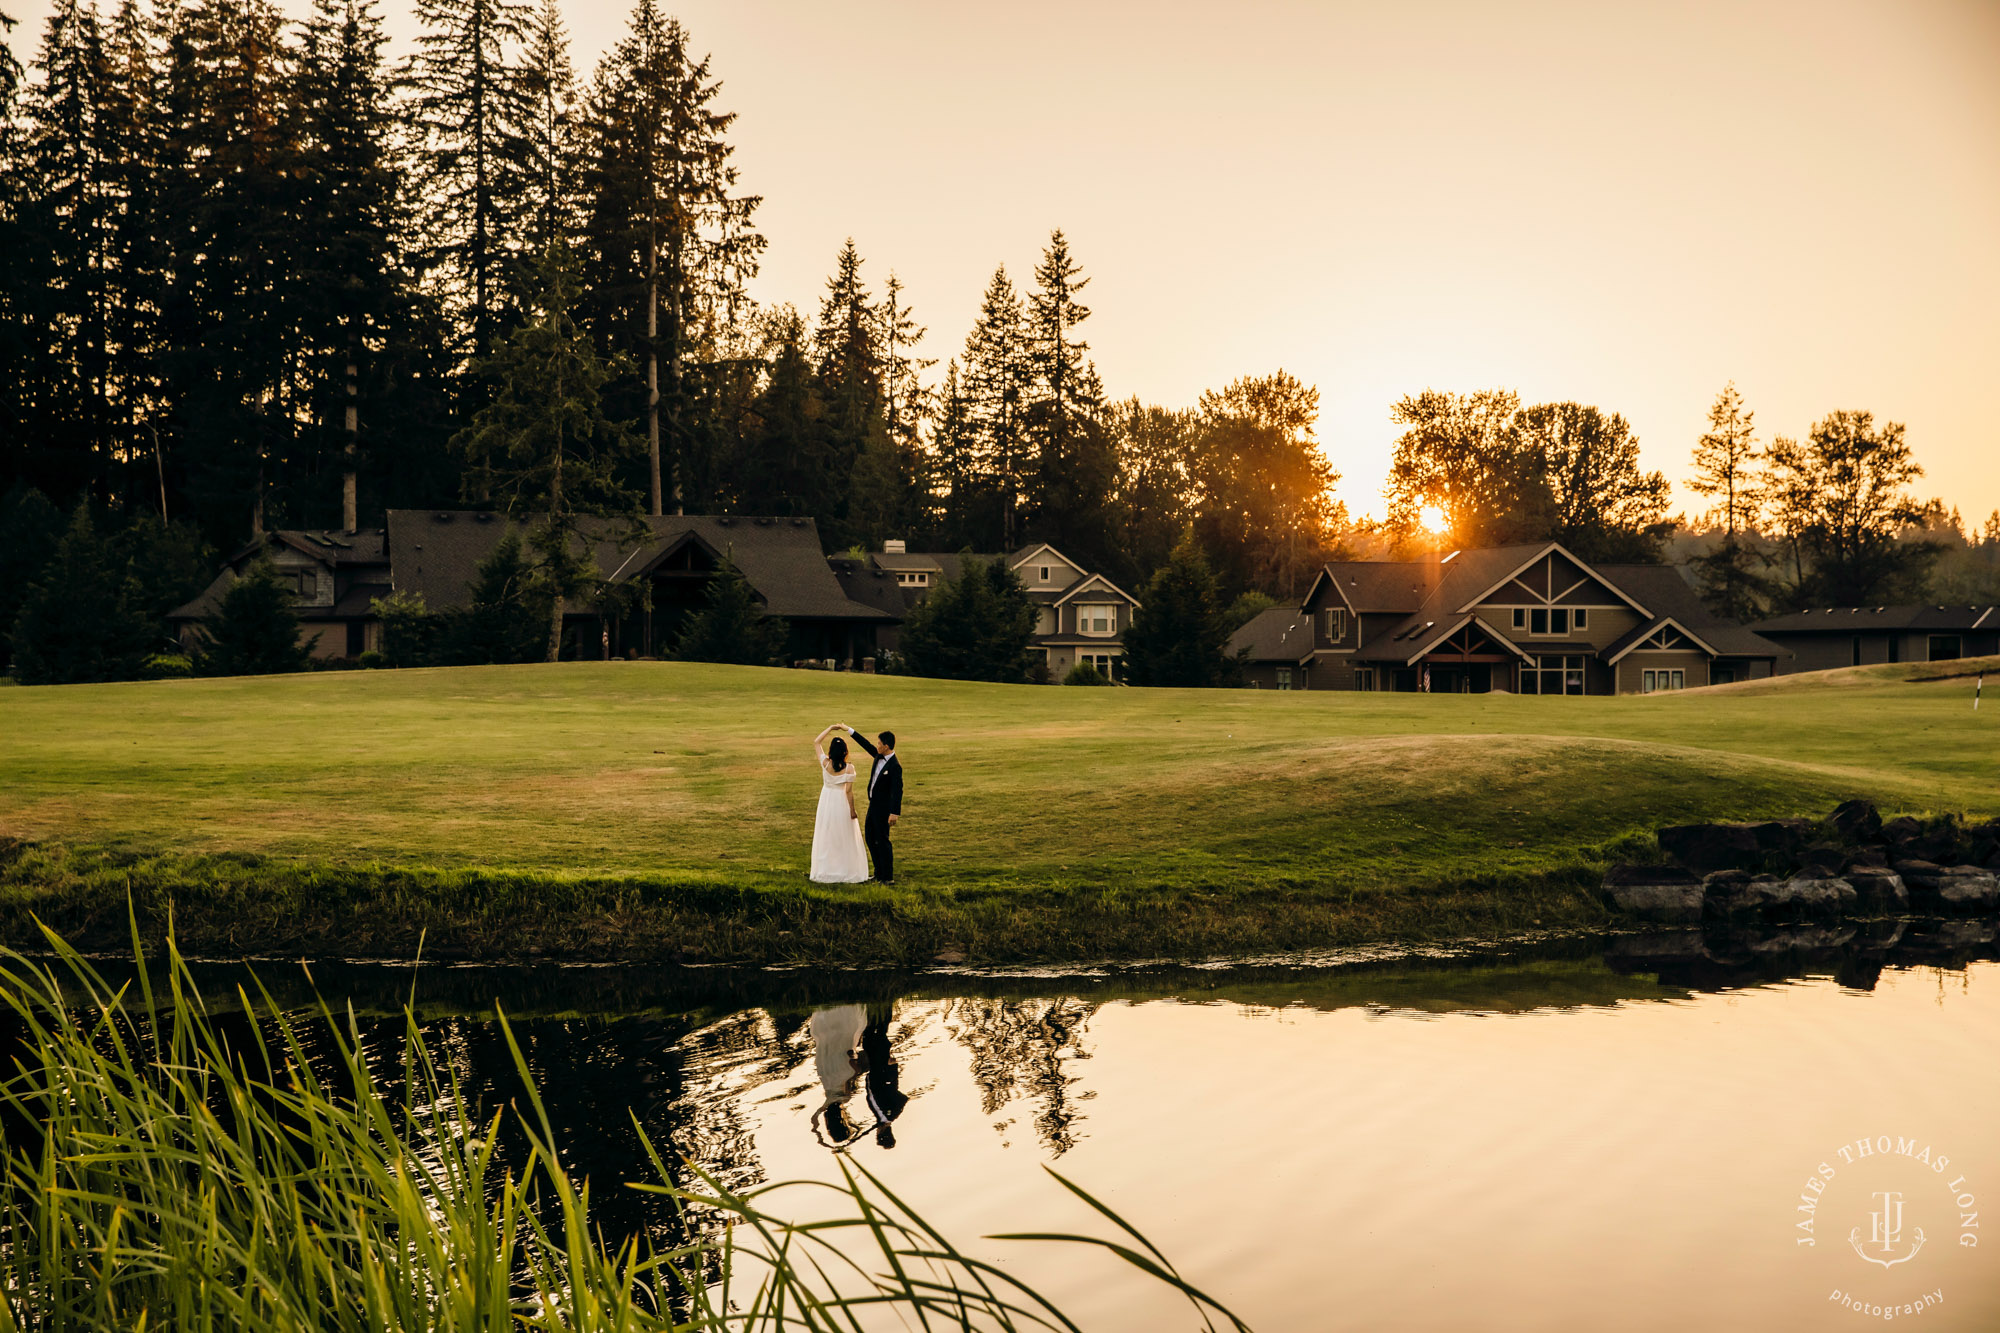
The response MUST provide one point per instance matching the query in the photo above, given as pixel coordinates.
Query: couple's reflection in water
(858, 1074)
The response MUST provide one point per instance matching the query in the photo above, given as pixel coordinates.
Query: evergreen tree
(732, 627)
(543, 444)
(670, 241)
(349, 213)
(996, 378)
(1726, 461)
(551, 130)
(778, 469)
(255, 632)
(470, 114)
(506, 618)
(30, 527)
(966, 504)
(1072, 459)
(974, 627)
(76, 622)
(1180, 633)
(15, 289)
(848, 373)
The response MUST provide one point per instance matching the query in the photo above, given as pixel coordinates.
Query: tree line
(258, 274)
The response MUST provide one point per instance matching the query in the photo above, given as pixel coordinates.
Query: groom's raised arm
(862, 741)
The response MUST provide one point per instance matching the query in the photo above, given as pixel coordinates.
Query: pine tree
(1073, 467)
(76, 621)
(255, 632)
(505, 619)
(551, 130)
(349, 215)
(15, 290)
(543, 445)
(964, 511)
(848, 372)
(778, 468)
(470, 117)
(1180, 633)
(670, 242)
(1726, 464)
(732, 627)
(996, 377)
(974, 627)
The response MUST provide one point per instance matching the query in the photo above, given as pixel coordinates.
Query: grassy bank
(652, 810)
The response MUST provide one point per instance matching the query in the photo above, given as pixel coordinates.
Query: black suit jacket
(885, 782)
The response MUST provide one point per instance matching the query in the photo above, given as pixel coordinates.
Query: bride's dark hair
(837, 753)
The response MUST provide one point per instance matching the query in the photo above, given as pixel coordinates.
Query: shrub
(1083, 673)
(254, 632)
(732, 627)
(371, 661)
(169, 666)
(974, 627)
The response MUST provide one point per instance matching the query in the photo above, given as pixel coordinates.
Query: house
(333, 574)
(1079, 616)
(436, 554)
(1532, 619)
(1867, 635)
(1277, 649)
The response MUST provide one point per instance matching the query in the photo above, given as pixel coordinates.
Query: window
(1106, 663)
(1895, 649)
(1520, 617)
(1284, 678)
(1336, 623)
(1045, 573)
(304, 583)
(1653, 681)
(1538, 622)
(1364, 678)
(1551, 621)
(1552, 675)
(1096, 620)
(1857, 650)
(914, 580)
(1582, 617)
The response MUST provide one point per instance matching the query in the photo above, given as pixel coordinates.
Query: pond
(1636, 1132)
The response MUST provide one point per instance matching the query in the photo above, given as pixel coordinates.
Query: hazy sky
(1622, 204)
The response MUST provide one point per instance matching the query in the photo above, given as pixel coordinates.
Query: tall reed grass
(159, 1174)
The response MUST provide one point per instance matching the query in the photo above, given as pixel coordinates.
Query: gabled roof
(1027, 553)
(1407, 645)
(368, 546)
(1093, 579)
(1630, 642)
(1375, 586)
(438, 553)
(1470, 568)
(1672, 597)
(1281, 634)
(1850, 619)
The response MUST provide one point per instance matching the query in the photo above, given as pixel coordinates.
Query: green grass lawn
(687, 778)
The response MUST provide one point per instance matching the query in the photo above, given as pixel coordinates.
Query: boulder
(1817, 893)
(1869, 856)
(1734, 894)
(1879, 890)
(1921, 876)
(1706, 847)
(1825, 857)
(1968, 889)
(1653, 893)
(1856, 821)
(1901, 829)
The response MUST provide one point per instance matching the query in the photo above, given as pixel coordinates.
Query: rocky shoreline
(1852, 864)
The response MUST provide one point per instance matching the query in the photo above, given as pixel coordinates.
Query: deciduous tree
(1839, 498)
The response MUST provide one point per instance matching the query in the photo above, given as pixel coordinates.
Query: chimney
(895, 548)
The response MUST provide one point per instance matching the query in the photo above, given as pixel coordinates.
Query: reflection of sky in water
(1557, 1140)
(1631, 1166)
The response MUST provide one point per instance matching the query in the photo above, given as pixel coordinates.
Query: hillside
(700, 778)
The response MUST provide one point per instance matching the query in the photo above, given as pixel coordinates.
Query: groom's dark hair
(888, 739)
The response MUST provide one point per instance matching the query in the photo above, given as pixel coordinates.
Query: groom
(885, 803)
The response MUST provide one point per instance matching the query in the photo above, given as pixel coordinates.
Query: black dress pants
(875, 832)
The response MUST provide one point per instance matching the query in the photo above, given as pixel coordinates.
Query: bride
(838, 856)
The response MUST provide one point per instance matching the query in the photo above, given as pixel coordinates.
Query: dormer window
(916, 580)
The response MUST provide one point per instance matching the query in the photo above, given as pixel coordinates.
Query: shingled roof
(1280, 634)
(1669, 596)
(1847, 619)
(436, 554)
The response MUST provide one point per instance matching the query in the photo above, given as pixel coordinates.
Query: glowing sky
(1618, 203)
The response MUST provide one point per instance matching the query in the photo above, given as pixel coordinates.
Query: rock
(950, 954)
(1856, 821)
(1706, 847)
(1880, 891)
(1901, 829)
(1824, 857)
(1653, 893)
(1869, 856)
(1728, 894)
(1968, 889)
(1817, 893)
(1921, 876)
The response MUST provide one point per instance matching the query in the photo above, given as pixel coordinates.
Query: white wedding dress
(839, 856)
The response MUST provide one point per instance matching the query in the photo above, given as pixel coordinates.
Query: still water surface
(1611, 1134)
